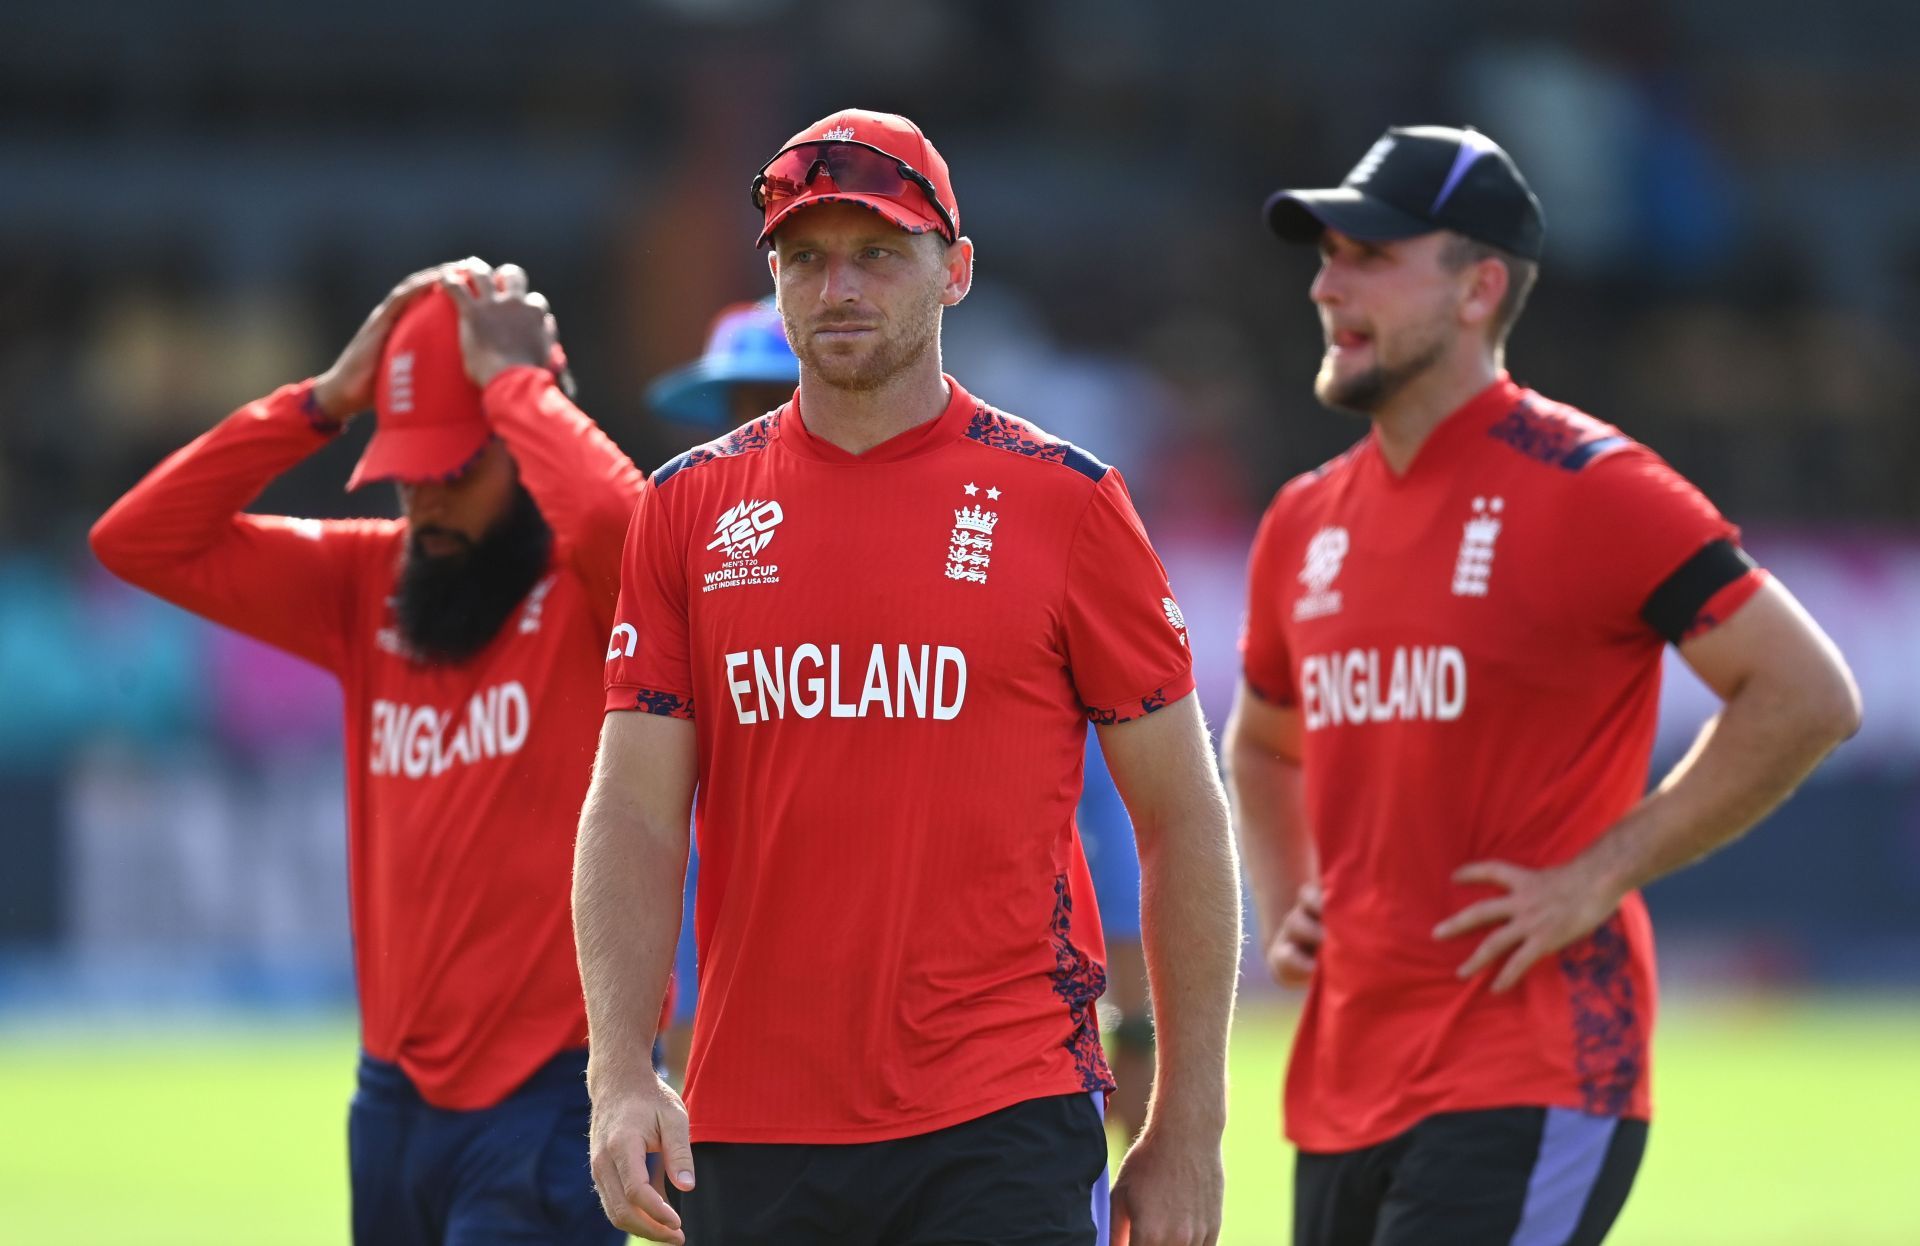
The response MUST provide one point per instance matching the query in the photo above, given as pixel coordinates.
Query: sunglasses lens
(855, 170)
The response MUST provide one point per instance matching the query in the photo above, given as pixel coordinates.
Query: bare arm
(1789, 700)
(628, 864)
(1170, 1187)
(1261, 748)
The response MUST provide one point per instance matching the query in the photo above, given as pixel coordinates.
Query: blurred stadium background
(200, 201)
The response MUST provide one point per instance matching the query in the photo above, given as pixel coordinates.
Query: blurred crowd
(199, 202)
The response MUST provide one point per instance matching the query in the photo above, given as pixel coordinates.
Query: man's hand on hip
(627, 1126)
(1541, 912)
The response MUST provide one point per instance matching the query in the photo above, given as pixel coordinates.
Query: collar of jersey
(1476, 415)
(918, 440)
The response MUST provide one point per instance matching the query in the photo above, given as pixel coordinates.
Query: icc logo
(1325, 552)
(745, 528)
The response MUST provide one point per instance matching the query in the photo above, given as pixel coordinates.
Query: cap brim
(907, 218)
(697, 393)
(417, 455)
(1303, 215)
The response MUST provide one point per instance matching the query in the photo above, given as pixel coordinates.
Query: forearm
(1269, 816)
(626, 916)
(584, 484)
(1746, 760)
(187, 504)
(1190, 933)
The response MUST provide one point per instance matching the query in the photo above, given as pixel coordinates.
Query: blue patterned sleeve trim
(665, 704)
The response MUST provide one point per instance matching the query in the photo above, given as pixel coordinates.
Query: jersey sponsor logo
(1325, 553)
(1422, 683)
(1175, 620)
(421, 741)
(1474, 565)
(970, 544)
(899, 681)
(741, 532)
(621, 643)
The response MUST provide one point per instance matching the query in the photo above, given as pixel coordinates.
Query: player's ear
(773, 263)
(959, 264)
(1486, 287)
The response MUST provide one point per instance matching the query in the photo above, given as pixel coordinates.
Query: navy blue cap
(1415, 180)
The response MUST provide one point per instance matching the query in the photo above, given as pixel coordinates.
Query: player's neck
(1404, 422)
(858, 420)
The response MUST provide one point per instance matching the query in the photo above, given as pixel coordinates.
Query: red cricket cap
(429, 425)
(899, 138)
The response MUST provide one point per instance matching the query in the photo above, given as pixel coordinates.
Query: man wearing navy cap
(1438, 754)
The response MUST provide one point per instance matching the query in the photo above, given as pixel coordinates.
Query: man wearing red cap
(466, 637)
(1439, 752)
(870, 627)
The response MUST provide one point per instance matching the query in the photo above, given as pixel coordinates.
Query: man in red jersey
(1439, 752)
(466, 637)
(872, 626)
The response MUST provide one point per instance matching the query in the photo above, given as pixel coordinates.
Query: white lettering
(875, 687)
(771, 682)
(816, 686)
(1426, 683)
(945, 656)
(914, 678)
(736, 686)
(421, 741)
(841, 709)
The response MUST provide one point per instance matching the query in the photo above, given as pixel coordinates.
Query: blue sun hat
(747, 344)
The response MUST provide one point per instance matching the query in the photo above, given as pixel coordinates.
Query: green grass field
(1785, 1122)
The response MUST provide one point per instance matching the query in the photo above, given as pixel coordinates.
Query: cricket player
(747, 369)
(1439, 752)
(466, 636)
(872, 626)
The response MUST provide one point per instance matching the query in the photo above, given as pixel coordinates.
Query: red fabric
(428, 418)
(895, 928)
(1468, 692)
(464, 783)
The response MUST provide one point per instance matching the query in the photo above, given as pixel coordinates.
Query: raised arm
(1261, 749)
(584, 484)
(628, 864)
(1170, 1187)
(181, 534)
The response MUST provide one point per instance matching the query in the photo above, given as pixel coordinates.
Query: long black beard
(449, 606)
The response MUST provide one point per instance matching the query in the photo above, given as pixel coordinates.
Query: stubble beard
(1367, 392)
(891, 356)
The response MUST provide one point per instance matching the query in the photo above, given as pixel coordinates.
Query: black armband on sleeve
(1671, 608)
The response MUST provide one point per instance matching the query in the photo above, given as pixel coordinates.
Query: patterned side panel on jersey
(1005, 432)
(1157, 699)
(1609, 1041)
(1554, 437)
(750, 436)
(665, 704)
(1078, 981)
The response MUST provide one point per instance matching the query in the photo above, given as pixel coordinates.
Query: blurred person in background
(896, 1038)
(467, 637)
(1452, 668)
(746, 370)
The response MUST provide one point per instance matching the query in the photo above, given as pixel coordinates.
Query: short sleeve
(649, 666)
(1265, 660)
(1126, 639)
(1640, 529)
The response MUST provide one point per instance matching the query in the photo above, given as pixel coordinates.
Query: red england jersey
(1476, 677)
(464, 782)
(890, 659)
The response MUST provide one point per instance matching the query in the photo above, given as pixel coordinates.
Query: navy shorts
(515, 1173)
(1034, 1174)
(1501, 1177)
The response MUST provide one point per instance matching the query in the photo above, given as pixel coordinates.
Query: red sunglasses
(856, 168)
